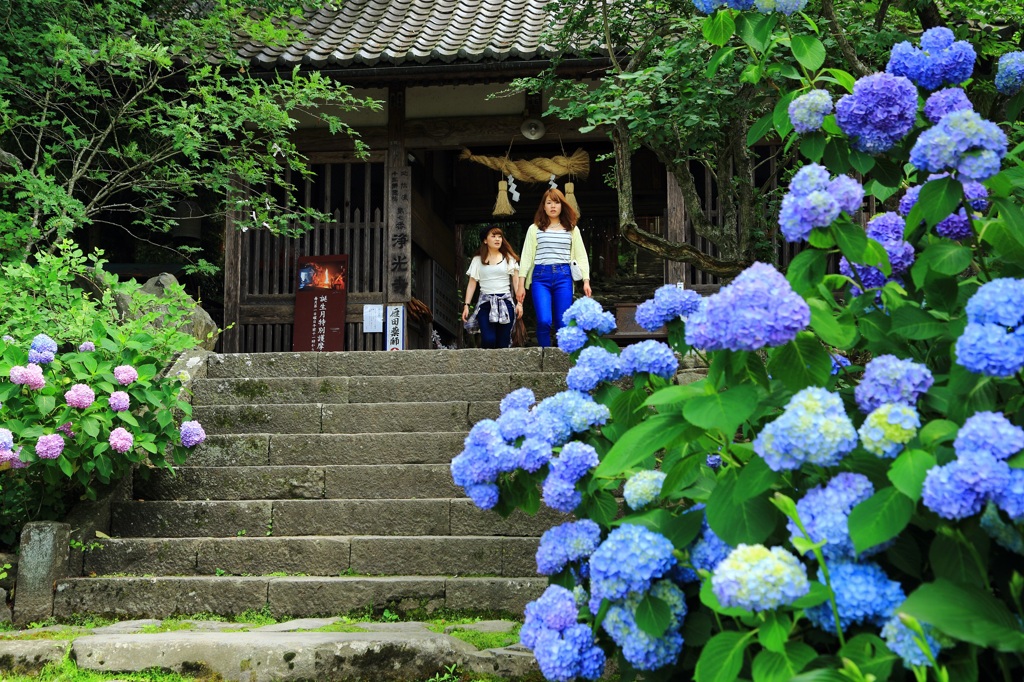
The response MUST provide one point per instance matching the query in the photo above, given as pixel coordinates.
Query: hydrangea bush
(842, 497)
(73, 420)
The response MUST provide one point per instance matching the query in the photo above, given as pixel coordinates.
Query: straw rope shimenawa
(535, 170)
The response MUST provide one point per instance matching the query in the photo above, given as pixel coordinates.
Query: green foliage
(116, 110)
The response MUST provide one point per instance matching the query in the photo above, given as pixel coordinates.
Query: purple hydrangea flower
(942, 102)
(119, 401)
(815, 201)
(121, 440)
(1010, 73)
(807, 112)
(825, 510)
(813, 428)
(125, 374)
(79, 396)
(192, 434)
(869, 277)
(848, 193)
(42, 350)
(941, 60)
(65, 428)
(864, 595)
(50, 446)
(759, 308)
(956, 226)
(87, 347)
(642, 488)
(714, 461)
(571, 339)
(589, 316)
(887, 229)
(879, 113)
(756, 578)
(670, 303)
(889, 379)
(650, 356)
(990, 433)
(961, 141)
(567, 543)
(30, 375)
(629, 560)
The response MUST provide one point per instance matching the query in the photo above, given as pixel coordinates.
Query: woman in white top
(495, 268)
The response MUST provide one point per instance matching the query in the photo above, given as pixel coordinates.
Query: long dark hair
(568, 215)
(506, 249)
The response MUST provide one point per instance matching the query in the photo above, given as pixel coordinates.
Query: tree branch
(849, 54)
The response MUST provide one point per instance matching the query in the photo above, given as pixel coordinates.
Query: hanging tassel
(502, 206)
(570, 198)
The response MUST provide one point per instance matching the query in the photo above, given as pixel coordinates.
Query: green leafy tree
(113, 111)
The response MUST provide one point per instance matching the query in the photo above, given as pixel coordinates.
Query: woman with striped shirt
(552, 242)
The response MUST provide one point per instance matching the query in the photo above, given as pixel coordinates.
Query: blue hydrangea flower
(643, 651)
(813, 428)
(825, 510)
(741, 5)
(864, 594)
(1005, 534)
(1010, 497)
(6, 439)
(942, 102)
(709, 551)
(571, 339)
(642, 488)
(565, 543)
(961, 141)
(560, 494)
(989, 349)
(42, 350)
(589, 316)
(1010, 73)
(909, 199)
(879, 113)
(889, 379)
(513, 423)
(521, 398)
(556, 418)
(941, 60)
(989, 433)
(670, 303)
(756, 578)
(595, 365)
(484, 495)
(888, 428)
(759, 308)
(867, 277)
(629, 560)
(887, 229)
(838, 362)
(554, 610)
(787, 7)
(714, 461)
(650, 356)
(574, 462)
(960, 488)
(956, 226)
(900, 640)
(807, 112)
(1000, 301)
(848, 193)
(707, 6)
(810, 178)
(815, 201)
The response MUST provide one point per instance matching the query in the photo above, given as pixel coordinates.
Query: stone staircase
(324, 488)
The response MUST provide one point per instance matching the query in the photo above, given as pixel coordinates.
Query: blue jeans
(494, 335)
(551, 290)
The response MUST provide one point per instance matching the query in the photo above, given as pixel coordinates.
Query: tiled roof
(395, 32)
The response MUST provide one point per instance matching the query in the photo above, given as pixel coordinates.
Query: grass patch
(343, 625)
(169, 625)
(67, 671)
(487, 640)
(256, 617)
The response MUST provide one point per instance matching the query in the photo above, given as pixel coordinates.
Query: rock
(5, 612)
(44, 560)
(203, 327)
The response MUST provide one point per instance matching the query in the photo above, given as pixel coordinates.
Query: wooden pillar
(676, 228)
(231, 339)
(399, 215)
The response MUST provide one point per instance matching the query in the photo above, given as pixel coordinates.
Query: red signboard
(320, 303)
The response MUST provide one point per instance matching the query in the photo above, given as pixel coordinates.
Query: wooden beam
(231, 340)
(398, 202)
(674, 270)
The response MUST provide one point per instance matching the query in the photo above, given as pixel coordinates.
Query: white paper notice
(373, 319)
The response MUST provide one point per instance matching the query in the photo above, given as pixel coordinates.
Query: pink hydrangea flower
(121, 440)
(192, 434)
(30, 375)
(12, 457)
(80, 396)
(65, 428)
(125, 374)
(50, 446)
(119, 401)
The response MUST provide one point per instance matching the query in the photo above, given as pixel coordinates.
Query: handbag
(575, 270)
(519, 333)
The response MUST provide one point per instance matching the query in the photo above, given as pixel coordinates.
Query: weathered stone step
(327, 449)
(285, 518)
(482, 385)
(162, 597)
(399, 363)
(360, 481)
(344, 418)
(326, 556)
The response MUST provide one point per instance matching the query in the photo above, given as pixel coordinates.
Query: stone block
(259, 365)
(231, 483)
(426, 555)
(29, 656)
(339, 596)
(394, 417)
(271, 391)
(231, 450)
(143, 556)
(391, 481)
(555, 360)
(173, 519)
(44, 559)
(543, 384)
(519, 557)
(366, 448)
(217, 419)
(160, 597)
(483, 410)
(360, 517)
(428, 388)
(266, 555)
(502, 595)
(467, 519)
(432, 362)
